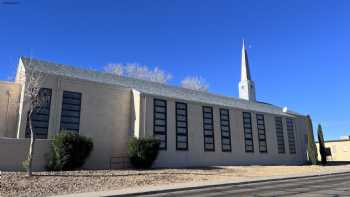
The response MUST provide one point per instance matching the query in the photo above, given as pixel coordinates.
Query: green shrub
(321, 144)
(311, 145)
(143, 152)
(69, 151)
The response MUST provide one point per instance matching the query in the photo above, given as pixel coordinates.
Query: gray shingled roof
(152, 88)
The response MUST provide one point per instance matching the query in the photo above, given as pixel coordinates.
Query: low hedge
(69, 151)
(143, 152)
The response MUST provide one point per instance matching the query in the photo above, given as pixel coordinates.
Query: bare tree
(139, 72)
(34, 99)
(195, 83)
(116, 69)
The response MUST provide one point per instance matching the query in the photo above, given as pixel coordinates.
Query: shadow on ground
(337, 163)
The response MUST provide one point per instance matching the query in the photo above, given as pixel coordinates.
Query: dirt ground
(51, 183)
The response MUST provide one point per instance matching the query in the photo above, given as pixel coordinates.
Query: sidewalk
(193, 185)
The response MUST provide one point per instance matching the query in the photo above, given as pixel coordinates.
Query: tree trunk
(31, 146)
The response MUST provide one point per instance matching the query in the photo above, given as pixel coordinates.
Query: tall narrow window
(208, 129)
(160, 122)
(279, 135)
(260, 121)
(41, 115)
(291, 138)
(181, 126)
(248, 132)
(70, 116)
(225, 130)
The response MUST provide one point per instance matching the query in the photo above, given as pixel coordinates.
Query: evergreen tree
(311, 145)
(322, 147)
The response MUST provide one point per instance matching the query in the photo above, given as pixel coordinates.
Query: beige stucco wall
(9, 104)
(110, 114)
(340, 150)
(14, 151)
(105, 117)
(196, 156)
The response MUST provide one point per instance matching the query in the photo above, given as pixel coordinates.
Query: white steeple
(246, 85)
(245, 72)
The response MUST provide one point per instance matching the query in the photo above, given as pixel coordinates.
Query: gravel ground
(51, 183)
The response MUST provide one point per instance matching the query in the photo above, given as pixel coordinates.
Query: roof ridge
(141, 80)
(149, 87)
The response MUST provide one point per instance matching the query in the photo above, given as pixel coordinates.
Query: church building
(195, 128)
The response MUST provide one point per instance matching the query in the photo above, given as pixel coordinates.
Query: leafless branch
(138, 71)
(33, 82)
(195, 83)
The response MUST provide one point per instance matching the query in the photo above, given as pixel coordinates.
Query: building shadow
(337, 163)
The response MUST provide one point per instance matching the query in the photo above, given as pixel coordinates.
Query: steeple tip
(245, 73)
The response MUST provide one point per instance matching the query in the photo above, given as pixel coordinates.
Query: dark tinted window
(70, 115)
(291, 138)
(225, 130)
(160, 122)
(260, 121)
(248, 132)
(181, 126)
(279, 135)
(208, 129)
(41, 115)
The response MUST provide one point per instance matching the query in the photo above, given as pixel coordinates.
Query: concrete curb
(165, 189)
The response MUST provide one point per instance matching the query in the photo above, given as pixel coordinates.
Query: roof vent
(285, 109)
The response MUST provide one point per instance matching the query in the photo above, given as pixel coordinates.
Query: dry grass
(51, 183)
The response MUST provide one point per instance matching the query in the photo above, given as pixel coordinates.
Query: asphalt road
(331, 185)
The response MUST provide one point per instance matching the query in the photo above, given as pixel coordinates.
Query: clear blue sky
(299, 50)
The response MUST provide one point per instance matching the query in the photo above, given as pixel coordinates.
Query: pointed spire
(246, 85)
(245, 72)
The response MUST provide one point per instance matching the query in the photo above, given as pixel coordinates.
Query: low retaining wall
(14, 151)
